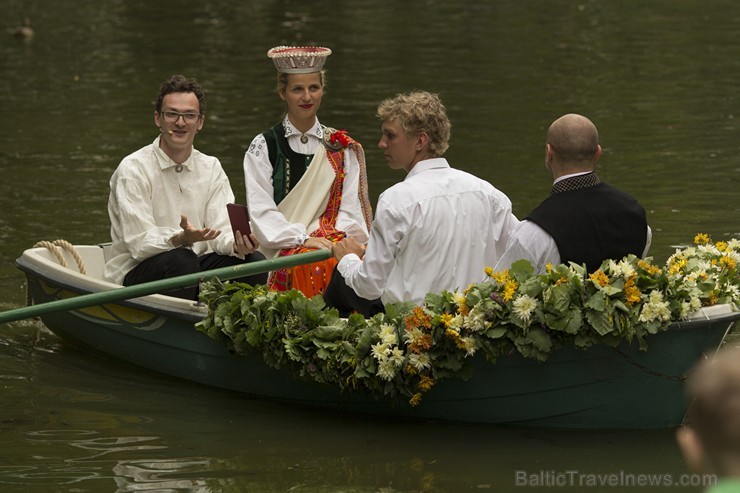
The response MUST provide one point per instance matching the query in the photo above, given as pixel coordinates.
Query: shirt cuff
(301, 239)
(348, 264)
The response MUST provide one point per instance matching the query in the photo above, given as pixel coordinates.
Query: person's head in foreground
(415, 127)
(710, 439)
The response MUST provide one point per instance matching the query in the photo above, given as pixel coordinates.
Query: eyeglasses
(173, 116)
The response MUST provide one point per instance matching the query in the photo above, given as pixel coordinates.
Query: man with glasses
(167, 202)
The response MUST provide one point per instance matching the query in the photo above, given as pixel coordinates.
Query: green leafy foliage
(406, 350)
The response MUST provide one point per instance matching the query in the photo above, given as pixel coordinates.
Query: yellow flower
(415, 399)
(488, 271)
(446, 318)
(501, 277)
(426, 383)
(721, 246)
(599, 278)
(727, 262)
(548, 266)
(562, 280)
(650, 269)
(454, 335)
(510, 290)
(701, 239)
(631, 295)
(676, 266)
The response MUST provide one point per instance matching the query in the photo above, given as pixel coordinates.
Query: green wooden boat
(601, 387)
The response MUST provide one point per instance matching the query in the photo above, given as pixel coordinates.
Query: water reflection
(658, 78)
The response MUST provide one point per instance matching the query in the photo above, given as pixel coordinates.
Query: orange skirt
(309, 279)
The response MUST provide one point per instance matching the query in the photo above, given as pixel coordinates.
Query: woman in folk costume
(306, 183)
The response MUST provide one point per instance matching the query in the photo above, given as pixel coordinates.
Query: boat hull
(601, 387)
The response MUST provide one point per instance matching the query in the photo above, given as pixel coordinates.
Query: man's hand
(318, 243)
(347, 246)
(244, 245)
(192, 235)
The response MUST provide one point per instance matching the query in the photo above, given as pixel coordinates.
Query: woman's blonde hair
(419, 112)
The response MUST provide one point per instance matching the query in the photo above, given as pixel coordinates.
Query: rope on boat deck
(53, 247)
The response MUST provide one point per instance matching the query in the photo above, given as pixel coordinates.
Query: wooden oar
(163, 285)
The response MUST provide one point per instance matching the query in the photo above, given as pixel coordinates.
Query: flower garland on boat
(408, 349)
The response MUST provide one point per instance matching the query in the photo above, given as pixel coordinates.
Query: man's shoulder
(136, 159)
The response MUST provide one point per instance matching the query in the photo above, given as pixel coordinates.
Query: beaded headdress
(299, 59)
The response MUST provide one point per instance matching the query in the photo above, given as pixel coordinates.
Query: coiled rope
(54, 247)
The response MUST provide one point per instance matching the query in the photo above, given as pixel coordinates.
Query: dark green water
(659, 78)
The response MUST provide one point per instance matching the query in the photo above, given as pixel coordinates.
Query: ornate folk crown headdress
(299, 59)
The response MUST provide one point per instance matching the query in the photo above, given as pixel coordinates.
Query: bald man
(583, 220)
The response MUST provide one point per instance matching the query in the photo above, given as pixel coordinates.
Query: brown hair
(180, 83)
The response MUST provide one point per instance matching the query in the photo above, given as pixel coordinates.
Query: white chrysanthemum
(380, 351)
(734, 292)
(412, 335)
(734, 244)
(420, 361)
(685, 310)
(469, 345)
(626, 269)
(655, 308)
(396, 357)
(457, 322)
(476, 320)
(524, 306)
(388, 334)
(459, 298)
(621, 269)
(708, 248)
(694, 303)
(691, 278)
(387, 370)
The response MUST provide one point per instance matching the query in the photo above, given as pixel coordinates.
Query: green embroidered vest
(288, 166)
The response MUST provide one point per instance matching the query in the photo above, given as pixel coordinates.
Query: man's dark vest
(590, 225)
(288, 166)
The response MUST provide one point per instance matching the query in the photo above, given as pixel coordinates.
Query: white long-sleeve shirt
(437, 230)
(270, 226)
(147, 196)
(531, 242)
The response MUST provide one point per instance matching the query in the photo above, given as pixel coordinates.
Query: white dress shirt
(437, 230)
(531, 242)
(147, 196)
(270, 226)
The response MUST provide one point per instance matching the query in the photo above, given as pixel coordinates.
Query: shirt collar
(316, 131)
(572, 175)
(433, 163)
(164, 160)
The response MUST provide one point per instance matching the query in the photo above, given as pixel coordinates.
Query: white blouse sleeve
(268, 223)
(350, 218)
